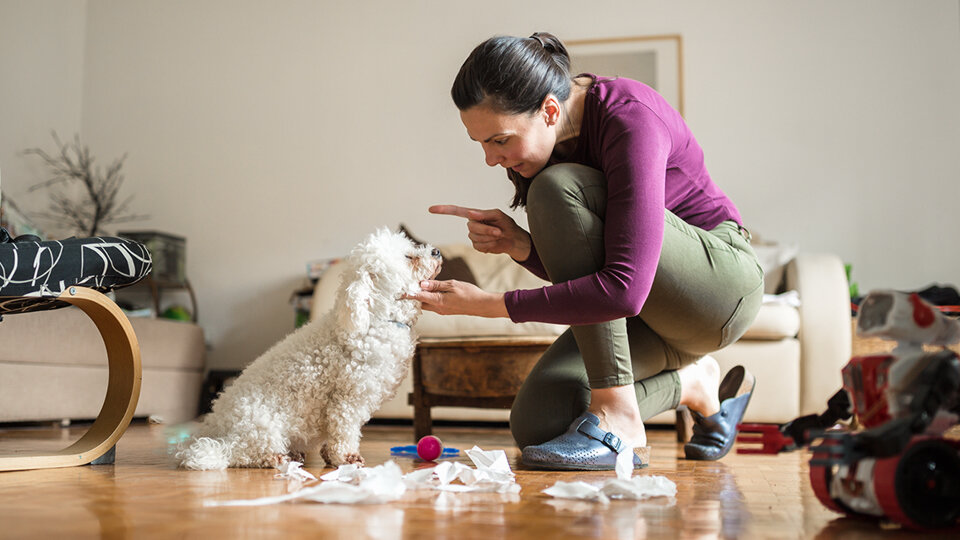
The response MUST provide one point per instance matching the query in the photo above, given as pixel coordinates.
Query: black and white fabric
(32, 274)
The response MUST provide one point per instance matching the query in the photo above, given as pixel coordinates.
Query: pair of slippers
(585, 446)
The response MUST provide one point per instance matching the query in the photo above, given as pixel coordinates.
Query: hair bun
(554, 47)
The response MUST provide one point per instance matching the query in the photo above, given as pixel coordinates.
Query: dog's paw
(325, 454)
(333, 459)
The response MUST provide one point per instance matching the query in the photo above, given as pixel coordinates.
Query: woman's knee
(557, 184)
(554, 393)
(538, 419)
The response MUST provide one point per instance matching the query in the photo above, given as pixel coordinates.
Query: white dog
(320, 385)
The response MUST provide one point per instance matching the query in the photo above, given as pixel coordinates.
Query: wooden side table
(470, 372)
(156, 287)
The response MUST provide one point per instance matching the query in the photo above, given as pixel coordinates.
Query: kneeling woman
(650, 263)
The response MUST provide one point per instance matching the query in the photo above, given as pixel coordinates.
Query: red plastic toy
(429, 448)
(896, 464)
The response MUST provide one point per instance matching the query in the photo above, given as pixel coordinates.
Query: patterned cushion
(32, 274)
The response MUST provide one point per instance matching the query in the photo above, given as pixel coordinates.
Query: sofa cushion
(773, 257)
(494, 272)
(774, 321)
(40, 392)
(69, 337)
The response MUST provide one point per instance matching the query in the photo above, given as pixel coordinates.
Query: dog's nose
(435, 253)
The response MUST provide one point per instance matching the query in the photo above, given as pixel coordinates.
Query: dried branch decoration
(99, 205)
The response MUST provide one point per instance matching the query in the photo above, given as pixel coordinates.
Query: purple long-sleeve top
(651, 161)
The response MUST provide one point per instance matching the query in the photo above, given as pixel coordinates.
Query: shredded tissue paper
(624, 486)
(352, 484)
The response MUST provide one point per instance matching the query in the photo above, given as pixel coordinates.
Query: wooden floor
(144, 495)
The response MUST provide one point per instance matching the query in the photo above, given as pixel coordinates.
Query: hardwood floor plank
(145, 495)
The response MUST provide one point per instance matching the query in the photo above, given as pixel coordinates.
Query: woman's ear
(551, 109)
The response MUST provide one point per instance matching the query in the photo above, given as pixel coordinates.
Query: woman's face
(521, 142)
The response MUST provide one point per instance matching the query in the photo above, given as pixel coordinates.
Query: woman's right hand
(491, 231)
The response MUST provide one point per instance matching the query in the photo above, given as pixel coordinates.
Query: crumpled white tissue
(636, 488)
(624, 465)
(292, 470)
(491, 475)
(353, 484)
(379, 484)
(622, 487)
(640, 487)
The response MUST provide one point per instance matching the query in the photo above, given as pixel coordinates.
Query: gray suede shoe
(583, 447)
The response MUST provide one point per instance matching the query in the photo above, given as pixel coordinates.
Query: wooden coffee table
(483, 372)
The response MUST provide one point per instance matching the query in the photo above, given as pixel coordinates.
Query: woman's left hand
(453, 297)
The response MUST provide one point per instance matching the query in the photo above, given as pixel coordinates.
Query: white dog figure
(320, 384)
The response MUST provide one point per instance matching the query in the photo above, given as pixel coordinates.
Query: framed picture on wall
(654, 60)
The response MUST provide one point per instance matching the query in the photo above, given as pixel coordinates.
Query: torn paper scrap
(576, 490)
(495, 460)
(293, 470)
(419, 478)
(639, 488)
(636, 488)
(383, 483)
(351, 472)
(354, 484)
(492, 466)
(491, 475)
(624, 465)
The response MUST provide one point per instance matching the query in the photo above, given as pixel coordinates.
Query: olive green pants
(706, 292)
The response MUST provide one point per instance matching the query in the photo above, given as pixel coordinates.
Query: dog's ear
(355, 315)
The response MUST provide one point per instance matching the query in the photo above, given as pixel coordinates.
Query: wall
(270, 135)
(41, 86)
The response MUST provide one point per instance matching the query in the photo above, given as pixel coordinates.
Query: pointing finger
(450, 210)
(482, 215)
(482, 229)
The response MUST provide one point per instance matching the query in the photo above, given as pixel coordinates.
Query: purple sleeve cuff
(533, 264)
(510, 298)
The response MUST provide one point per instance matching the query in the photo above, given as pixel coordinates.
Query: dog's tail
(205, 453)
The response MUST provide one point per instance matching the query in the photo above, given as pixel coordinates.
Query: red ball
(429, 448)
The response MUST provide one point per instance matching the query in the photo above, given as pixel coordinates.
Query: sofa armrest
(825, 340)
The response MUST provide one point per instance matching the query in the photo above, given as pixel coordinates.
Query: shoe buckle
(612, 441)
(609, 440)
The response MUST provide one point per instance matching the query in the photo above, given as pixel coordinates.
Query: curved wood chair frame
(123, 388)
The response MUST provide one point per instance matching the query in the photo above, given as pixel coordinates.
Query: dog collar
(402, 324)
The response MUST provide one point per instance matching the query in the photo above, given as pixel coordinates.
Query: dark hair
(514, 75)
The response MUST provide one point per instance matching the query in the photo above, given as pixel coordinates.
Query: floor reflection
(145, 494)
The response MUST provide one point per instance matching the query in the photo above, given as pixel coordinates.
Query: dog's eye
(411, 257)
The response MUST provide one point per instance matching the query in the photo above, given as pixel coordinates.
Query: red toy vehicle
(897, 463)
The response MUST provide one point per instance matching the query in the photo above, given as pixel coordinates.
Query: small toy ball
(429, 448)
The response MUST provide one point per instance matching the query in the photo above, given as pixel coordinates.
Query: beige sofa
(53, 366)
(795, 351)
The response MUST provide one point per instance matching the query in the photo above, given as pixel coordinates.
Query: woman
(649, 260)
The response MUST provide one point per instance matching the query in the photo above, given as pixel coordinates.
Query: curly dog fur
(317, 387)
